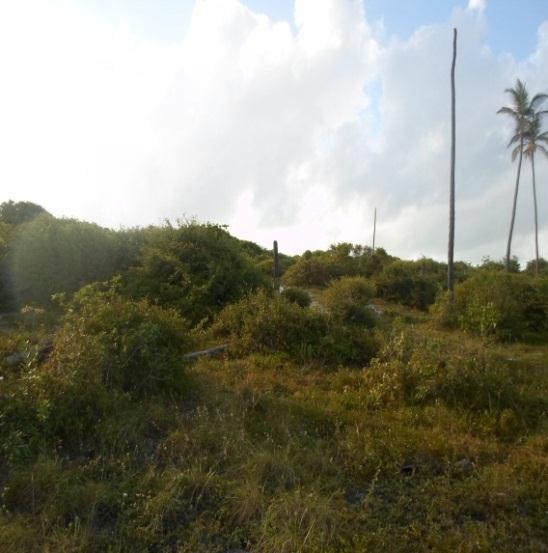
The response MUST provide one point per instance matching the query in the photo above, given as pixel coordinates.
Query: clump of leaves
(109, 340)
(421, 367)
(505, 305)
(308, 272)
(348, 299)
(196, 269)
(270, 323)
(298, 296)
(411, 283)
(110, 351)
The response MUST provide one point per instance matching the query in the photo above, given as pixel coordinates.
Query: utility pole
(374, 228)
(451, 243)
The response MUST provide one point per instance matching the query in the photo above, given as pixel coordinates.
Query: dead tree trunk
(451, 244)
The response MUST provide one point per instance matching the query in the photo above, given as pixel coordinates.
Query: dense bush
(48, 255)
(505, 305)
(348, 299)
(531, 267)
(308, 273)
(17, 213)
(488, 264)
(109, 352)
(410, 283)
(298, 296)
(111, 341)
(416, 367)
(196, 269)
(371, 262)
(317, 269)
(271, 324)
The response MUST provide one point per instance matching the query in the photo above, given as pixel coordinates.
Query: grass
(440, 445)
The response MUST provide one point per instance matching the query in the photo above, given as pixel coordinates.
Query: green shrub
(348, 299)
(443, 311)
(48, 255)
(109, 351)
(531, 267)
(490, 265)
(317, 269)
(17, 213)
(505, 305)
(265, 264)
(371, 262)
(416, 367)
(409, 283)
(308, 273)
(131, 346)
(298, 296)
(270, 323)
(196, 269)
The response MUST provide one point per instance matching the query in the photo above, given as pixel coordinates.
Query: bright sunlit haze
(284, 121)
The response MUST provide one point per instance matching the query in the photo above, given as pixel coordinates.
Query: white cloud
(477, 5)
(272, 129)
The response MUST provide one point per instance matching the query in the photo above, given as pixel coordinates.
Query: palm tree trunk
(451, 244)
(509, 246)
(536, 211)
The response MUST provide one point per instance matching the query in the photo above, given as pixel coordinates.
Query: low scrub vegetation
(348, 299)
(503, 305)
(324, 427)
(296, 295)
(268, 323)
(404, 282)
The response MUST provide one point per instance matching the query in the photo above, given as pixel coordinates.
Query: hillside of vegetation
(355, 411)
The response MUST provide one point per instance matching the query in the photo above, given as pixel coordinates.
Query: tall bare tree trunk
(451, 245)
(512, 221)
(374, 228)
(536, 211)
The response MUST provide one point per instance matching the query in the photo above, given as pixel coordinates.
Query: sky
(285, 120)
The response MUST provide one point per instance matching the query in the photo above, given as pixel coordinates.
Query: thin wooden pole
(374, 228)
(276, 266)
(451, 243)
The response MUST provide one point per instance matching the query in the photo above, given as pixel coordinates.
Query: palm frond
(514, 139)
(515, 152)
(537, 99)
(509, 111)
(542, 149)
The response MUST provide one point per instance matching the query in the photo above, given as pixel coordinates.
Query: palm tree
(536, 140)
(520, 112)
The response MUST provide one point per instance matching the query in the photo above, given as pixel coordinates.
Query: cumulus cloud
(477, 5)
(288, 132)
